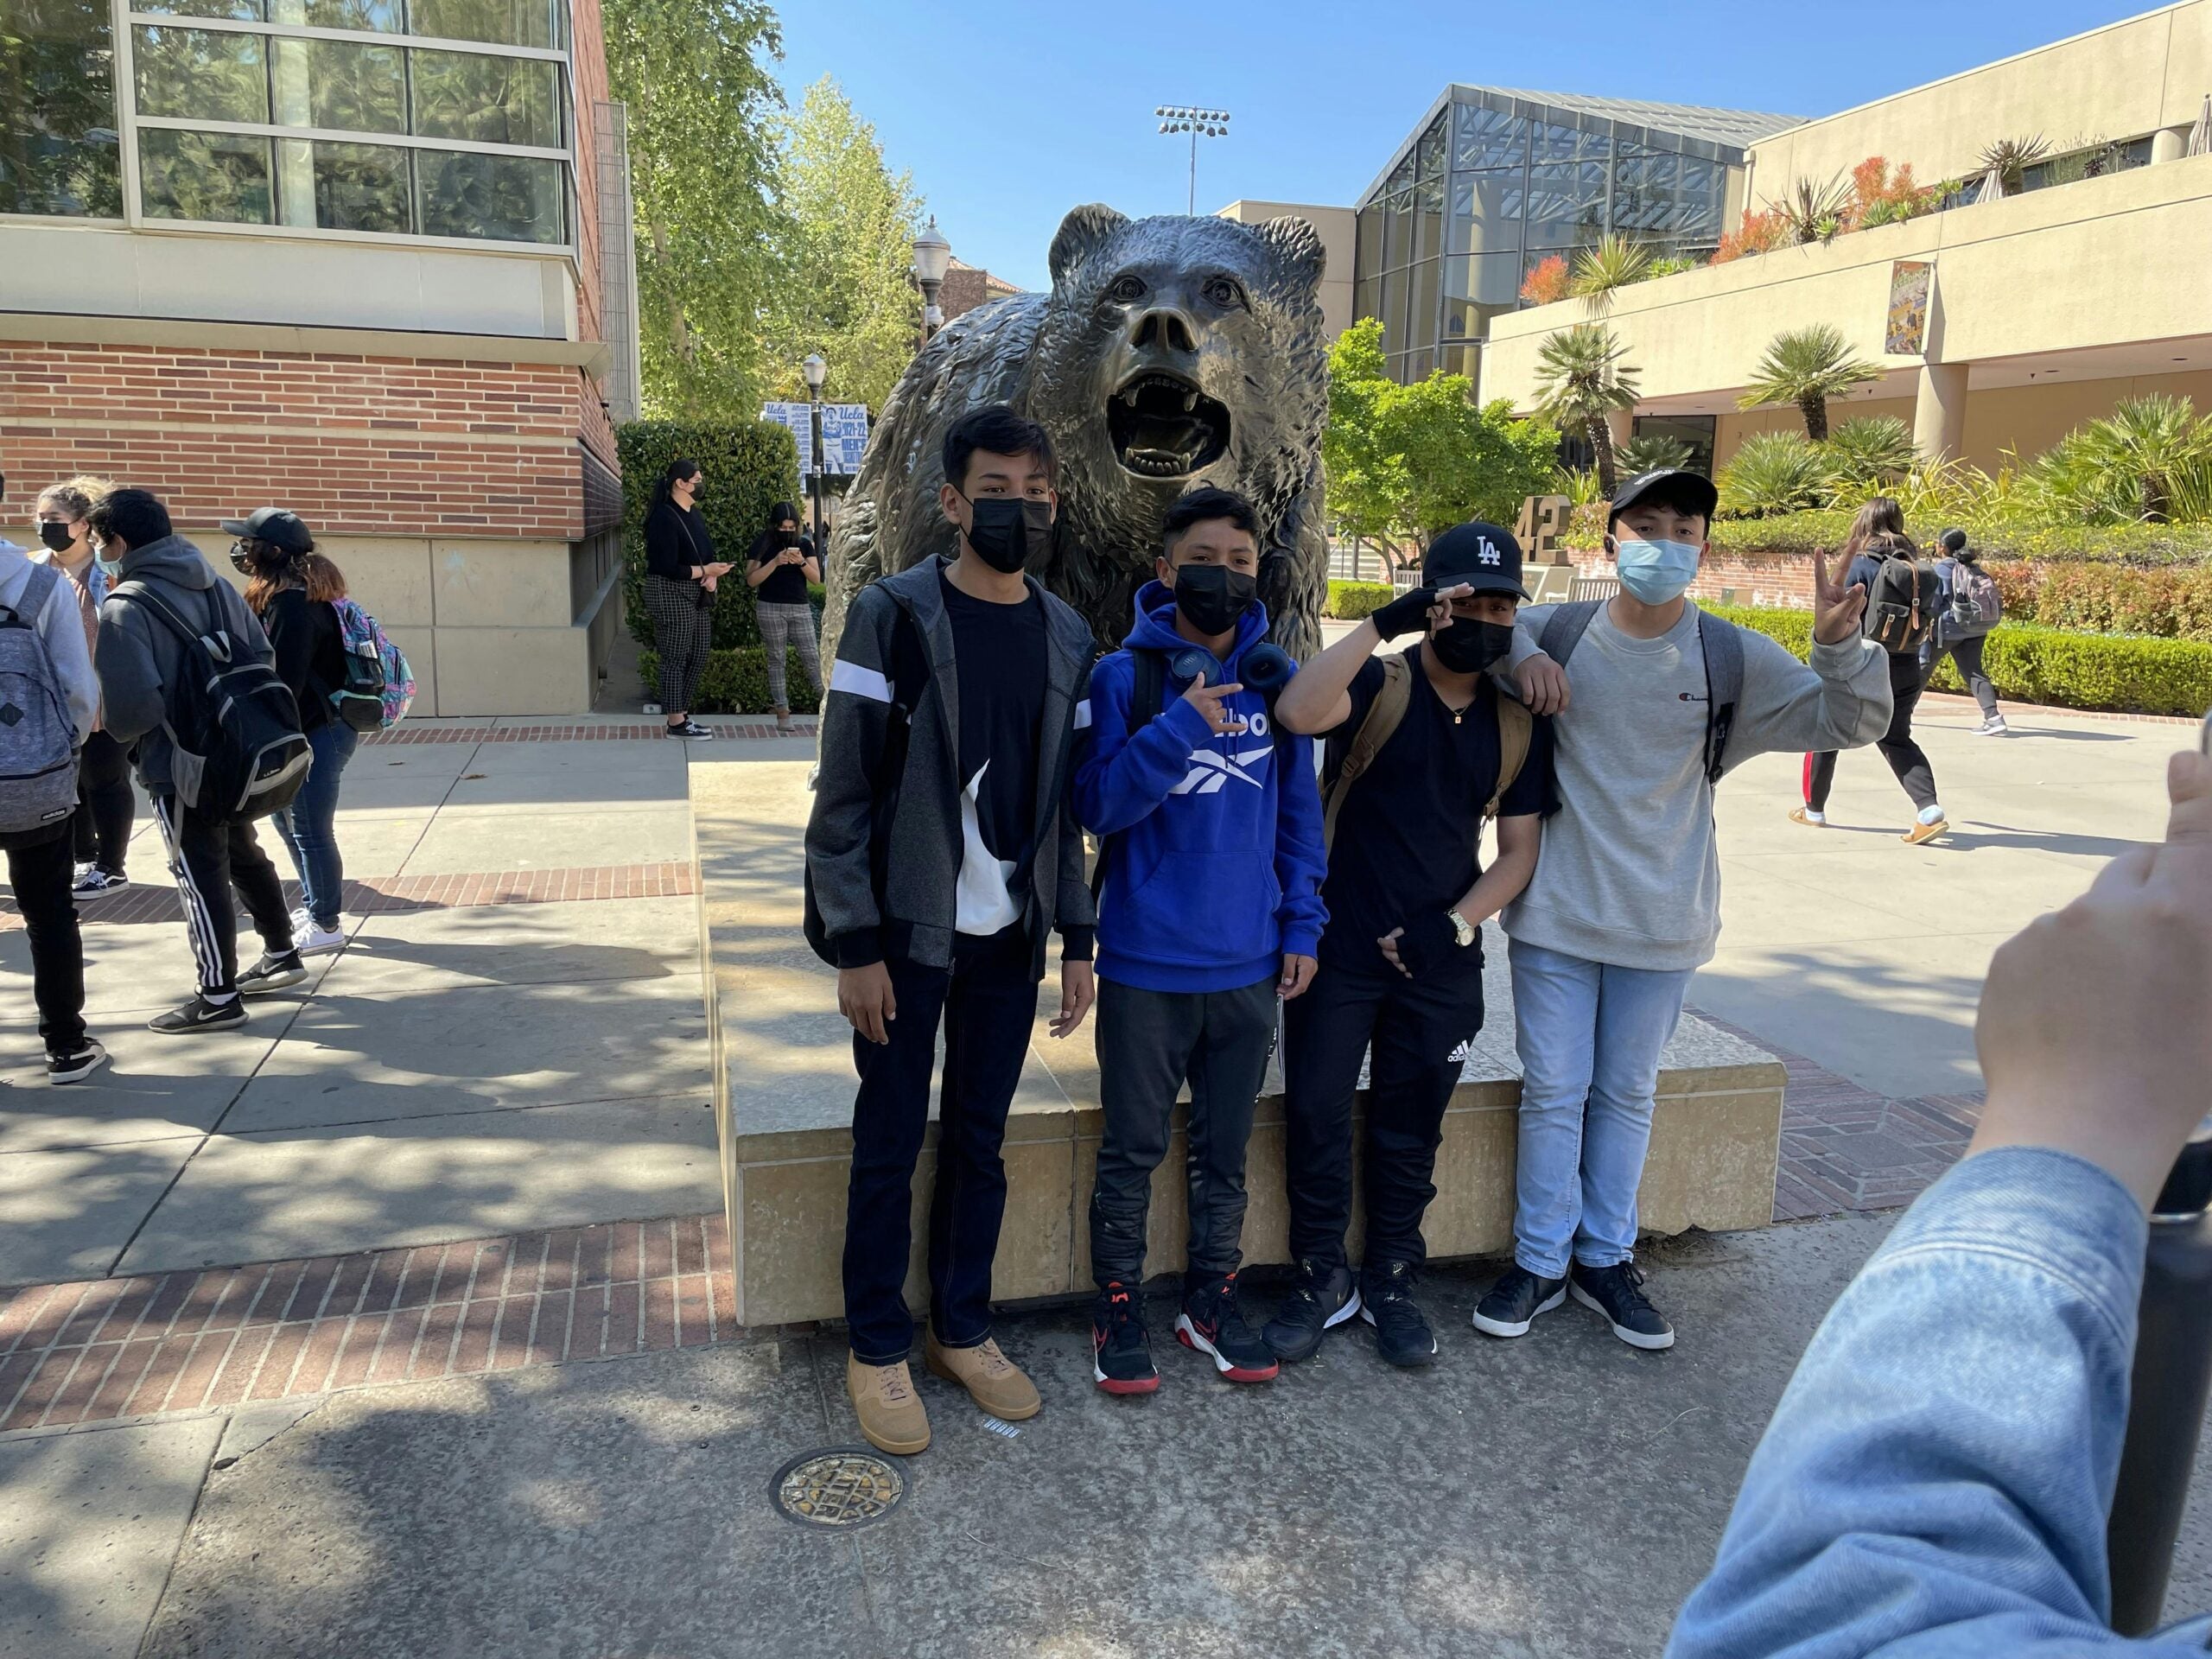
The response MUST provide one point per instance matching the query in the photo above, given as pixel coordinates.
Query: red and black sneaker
(1121, 1354)
(1214, 1324)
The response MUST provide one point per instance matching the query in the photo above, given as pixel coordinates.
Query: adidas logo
(1465, 1052)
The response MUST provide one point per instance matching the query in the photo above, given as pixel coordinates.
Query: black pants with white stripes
(207, 858)
(1418, 1030)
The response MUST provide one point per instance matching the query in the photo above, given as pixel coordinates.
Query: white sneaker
(313, 941)
(302, 922)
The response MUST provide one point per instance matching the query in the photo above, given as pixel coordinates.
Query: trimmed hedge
(2127, 673)
(736, 682)
(1822, 531)
(1354, 601)
(749, 467)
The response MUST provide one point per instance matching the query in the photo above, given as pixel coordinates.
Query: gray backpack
(38, 739)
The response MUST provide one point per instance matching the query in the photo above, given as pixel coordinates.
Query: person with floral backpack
(329, 651)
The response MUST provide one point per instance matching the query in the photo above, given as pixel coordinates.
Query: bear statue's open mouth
(1164, 427)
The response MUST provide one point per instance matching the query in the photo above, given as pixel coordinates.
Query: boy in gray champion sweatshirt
(1625, 902)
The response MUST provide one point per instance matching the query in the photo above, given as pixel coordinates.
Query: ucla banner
(1910, 284)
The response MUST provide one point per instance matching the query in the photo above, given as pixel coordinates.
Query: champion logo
(1465, 1052)
(1210, 770)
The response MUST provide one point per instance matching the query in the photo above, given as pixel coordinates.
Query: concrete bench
(783, 1084)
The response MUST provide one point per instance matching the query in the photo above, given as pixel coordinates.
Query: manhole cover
(838, 1486)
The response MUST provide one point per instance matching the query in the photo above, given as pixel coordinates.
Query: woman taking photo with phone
(105, 805)
(777, 569)
(680, 576)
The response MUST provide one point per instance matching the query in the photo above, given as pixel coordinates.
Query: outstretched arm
(1319, 697)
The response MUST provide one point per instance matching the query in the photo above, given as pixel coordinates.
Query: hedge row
(748, 465)
(1353, 601)
(2067, 669)
(2171, 602)
(1822, 529)
(736, 682)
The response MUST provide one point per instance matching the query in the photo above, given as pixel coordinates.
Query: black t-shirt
(1407, 836)
(675, 540)
(999, 650)
(310, 652)
(786, 583)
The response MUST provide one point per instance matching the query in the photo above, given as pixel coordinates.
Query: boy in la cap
(1625, 903)
(1422, 745)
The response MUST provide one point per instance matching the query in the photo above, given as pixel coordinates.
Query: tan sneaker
(993, 1381)
(890, 1411)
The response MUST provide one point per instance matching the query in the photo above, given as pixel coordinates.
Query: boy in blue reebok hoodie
(1210, 914)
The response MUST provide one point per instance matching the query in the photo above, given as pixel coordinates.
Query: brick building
(968, 286)
(370, 259)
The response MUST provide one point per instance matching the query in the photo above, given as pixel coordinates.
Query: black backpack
(233, 723)
(1904, 601)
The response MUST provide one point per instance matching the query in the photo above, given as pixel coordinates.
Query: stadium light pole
(1200, 124)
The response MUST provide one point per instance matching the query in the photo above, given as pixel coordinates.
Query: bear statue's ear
(1083, 230)
(1298, 244)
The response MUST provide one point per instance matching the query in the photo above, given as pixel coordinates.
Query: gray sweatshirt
(1630, 870)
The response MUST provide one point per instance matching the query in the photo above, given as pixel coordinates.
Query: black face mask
(57, 536)
(1009, 533)
(1212, 596)
(787, 538)
(1469, 646)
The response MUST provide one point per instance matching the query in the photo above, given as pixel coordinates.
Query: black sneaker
(199, 1015)
(272, 973)
(690, 728)
(1618, 1292)
(1318, 1301)
(79, 1062)
(1215, 1325)
(1514, 1301)
(1121, 1352)
(97, 883)
(1401, 1332)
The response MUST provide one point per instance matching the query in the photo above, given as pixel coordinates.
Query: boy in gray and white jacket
(1625, 902)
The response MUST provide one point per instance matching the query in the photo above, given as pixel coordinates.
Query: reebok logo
(1465, 1052)
(1210, 770)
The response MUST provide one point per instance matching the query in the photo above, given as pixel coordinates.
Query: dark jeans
(39, 875)
(1905, 756)
(1419, 1030)
(207, 858)
(1968, 654)
(1148, 1043)
(989, 1002)
(105, 807)
(309, 825)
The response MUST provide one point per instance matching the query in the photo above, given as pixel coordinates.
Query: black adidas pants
(1419, 1029)
(207, 858)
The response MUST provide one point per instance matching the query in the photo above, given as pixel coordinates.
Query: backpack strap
(38, 588)
(1721, 644)
(1148, 688)
(1383, 716)
(1565, 627)
(1516, 727)
(215, 641)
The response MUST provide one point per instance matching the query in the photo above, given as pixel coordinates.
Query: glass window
(491, 198)
(361, 188)
(202, 74)
(338, 84)
(1429, 153)
(221, 176)
(1398, 232)
(1594, 147)
(1421, 319)
(1418, 365)
(57, 146)
(503, 23)
(487, 100)
(1485, 212)
(384, 17)
(1488, 138)
(1548, 144)
(1459, 359)
(1394, 311)
(1368, 301)
(1490, 279)
(1428, 220)
(1401, 176)
(245, 11)
(1566, 205)
(1370, 257)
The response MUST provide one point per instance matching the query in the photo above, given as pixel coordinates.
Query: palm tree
(1806, 367)
(1580, 380)
(2136, 454)
(1613, 264)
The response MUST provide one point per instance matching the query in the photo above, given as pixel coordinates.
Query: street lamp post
(816, 372)
(933, 258)
(1200, 124)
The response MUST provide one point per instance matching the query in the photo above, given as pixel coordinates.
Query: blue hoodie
(1216, 868)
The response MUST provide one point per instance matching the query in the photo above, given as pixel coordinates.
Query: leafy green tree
(703, 177)
(1366, 481)
(1869, 454)
(1651, 451)
(1808, 366)
(1580, 380)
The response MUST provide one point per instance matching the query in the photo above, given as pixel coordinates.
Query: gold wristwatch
(1462, 929)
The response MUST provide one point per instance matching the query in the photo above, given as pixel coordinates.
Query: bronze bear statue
(1170, 352)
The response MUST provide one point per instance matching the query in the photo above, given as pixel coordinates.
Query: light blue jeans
(1589, 1035)
(1936, 1480)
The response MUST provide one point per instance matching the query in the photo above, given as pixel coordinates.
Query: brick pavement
(610, 732)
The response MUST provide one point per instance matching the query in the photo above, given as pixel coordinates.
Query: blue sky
(1007, 114)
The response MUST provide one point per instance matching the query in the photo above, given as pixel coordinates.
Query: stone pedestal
(784, 1085)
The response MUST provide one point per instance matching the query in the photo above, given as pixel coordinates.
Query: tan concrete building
(1338, 229)
(2045, 307)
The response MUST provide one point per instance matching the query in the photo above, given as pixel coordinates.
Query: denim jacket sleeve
(1936, 1480)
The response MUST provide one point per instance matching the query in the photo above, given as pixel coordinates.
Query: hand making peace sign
(1837, 606)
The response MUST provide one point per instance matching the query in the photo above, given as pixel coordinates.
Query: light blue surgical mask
(1655, 572)
(112, 568)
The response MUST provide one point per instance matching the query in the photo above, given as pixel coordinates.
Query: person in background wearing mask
(1401, 959)
(1878, 533)
(1210, 914)
(939, 855)
(680, 572)
(106, 804)
(777, 569)
(1626, 900)
(38, 857)
(1960, 637)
